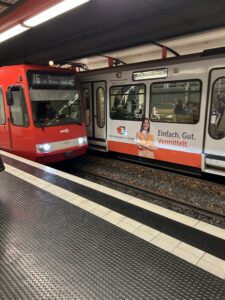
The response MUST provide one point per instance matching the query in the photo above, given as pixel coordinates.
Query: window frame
(175, 81)
(24, 97)
(131, 84)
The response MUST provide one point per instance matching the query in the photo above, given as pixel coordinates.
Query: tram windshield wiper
(49, 110)
(68, 104)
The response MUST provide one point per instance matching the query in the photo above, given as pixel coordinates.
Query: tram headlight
(44, 148)
(82, 140)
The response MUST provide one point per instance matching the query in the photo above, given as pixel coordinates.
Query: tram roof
(207, 54)
(101, 26)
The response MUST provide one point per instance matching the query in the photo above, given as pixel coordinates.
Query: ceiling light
(12, 32)
(53, 11)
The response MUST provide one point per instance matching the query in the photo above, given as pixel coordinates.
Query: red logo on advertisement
(121, 129)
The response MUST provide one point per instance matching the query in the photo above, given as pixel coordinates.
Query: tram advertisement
(176, 146)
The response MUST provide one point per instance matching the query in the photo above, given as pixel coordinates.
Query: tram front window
(50, 111)
(54, 98)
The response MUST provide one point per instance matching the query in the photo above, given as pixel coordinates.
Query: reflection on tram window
(127, 102)
(175, 102)
(55, 107)
(217, 114)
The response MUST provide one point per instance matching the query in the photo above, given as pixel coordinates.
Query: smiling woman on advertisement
(145, 140)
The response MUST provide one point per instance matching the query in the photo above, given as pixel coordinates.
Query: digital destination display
(150, 74)
(50, 79)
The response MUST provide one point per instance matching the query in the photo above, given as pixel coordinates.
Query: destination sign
(150, 74)
(49, 79)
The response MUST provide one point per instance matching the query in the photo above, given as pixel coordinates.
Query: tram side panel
(175, 107)
(168, 140)
(15, 133)
(169, 136)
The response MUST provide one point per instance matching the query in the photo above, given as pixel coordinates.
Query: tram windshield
(54, 98)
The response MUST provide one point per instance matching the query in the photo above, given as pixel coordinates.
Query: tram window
(86, 104)
(175, 102)
(100, 103)
(2, 108)
(18, 111)
(217, 111)
(127, 102)
(53, 107)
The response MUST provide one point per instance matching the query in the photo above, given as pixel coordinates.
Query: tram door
(5, 134)
(94, 101)
(215, 128)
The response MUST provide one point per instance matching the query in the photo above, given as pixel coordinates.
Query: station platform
(63, 237)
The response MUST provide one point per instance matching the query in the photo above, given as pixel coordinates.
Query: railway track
(207, 215)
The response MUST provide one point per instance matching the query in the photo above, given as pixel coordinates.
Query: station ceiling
(101, 26)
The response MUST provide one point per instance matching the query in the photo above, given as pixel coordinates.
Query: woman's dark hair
(142, 124)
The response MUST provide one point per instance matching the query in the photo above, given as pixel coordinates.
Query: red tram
(40, 113)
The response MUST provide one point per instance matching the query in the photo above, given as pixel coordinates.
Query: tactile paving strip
(189, 235)
(50, 249)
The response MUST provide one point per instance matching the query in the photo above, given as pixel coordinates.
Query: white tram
(182, 98)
